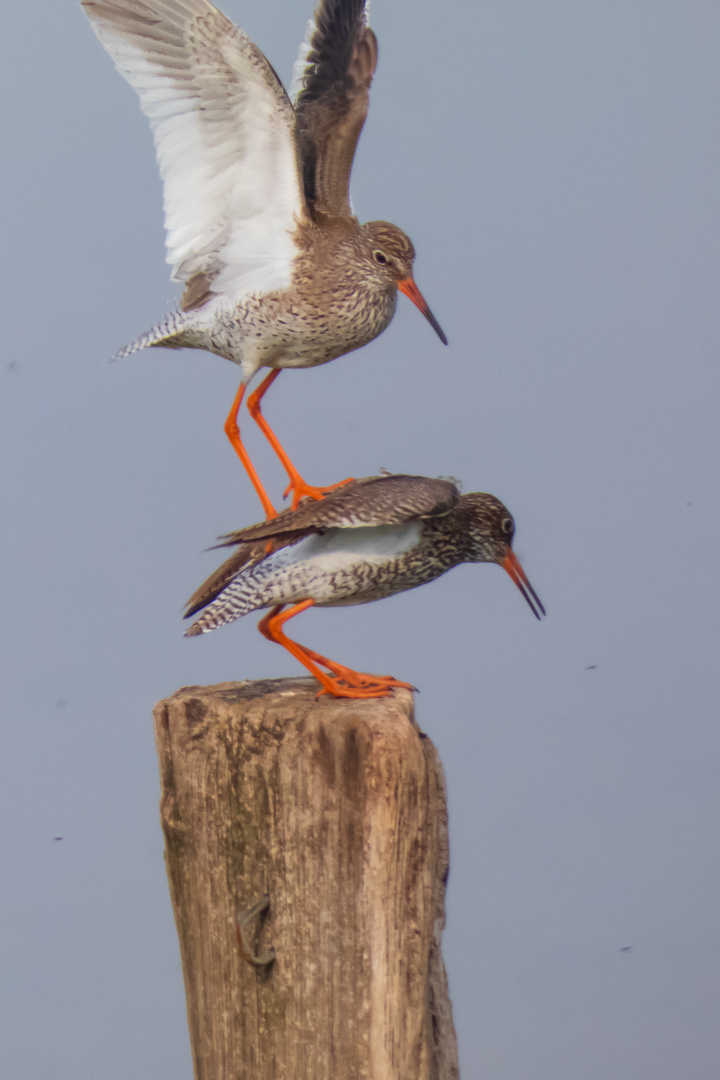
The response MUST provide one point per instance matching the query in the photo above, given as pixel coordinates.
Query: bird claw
(358, 685)
(302, 490)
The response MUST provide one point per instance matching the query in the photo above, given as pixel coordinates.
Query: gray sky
(556, 165)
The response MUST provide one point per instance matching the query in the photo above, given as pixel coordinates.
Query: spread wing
(339, 56)
(375, 500)
(224, 137)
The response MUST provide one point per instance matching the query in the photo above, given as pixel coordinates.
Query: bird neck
(449, 537)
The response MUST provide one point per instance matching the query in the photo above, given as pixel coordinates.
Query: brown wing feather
(197, 292)
(222, 577)
(375, 500)
(332, 106)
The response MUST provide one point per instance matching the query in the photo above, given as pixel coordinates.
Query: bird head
(490, 532)
(392, 256)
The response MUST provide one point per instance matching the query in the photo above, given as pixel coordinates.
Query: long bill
(511, 564)
(408, 286)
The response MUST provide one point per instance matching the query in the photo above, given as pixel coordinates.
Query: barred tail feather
(202, 626)
(171, 327)
(240, 597)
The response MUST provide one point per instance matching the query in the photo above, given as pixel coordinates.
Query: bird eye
(379, 257)
(507, 525)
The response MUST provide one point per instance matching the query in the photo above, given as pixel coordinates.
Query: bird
(278, 272)
(364, 541)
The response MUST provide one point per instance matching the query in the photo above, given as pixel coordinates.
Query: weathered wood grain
(337, 810)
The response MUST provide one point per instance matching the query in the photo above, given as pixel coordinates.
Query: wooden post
(336, 810)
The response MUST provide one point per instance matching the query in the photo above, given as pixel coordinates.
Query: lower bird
(365, 541)
(278, 271)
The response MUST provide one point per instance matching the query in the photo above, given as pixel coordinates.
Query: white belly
(340, 566)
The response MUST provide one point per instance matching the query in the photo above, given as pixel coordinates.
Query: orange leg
(356, 684)
(233, 433)
(347, 673)
(354, 678)
(297, 485)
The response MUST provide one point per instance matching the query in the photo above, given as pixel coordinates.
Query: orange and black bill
(511, 564)
(408, 286)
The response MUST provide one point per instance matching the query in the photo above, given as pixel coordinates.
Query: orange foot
(373, 688)
(357, 684)
(300, 489)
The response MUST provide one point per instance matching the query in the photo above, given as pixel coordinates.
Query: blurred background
(556, 165)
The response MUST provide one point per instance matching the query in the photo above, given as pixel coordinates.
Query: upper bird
(278, 272)
(371, 539)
